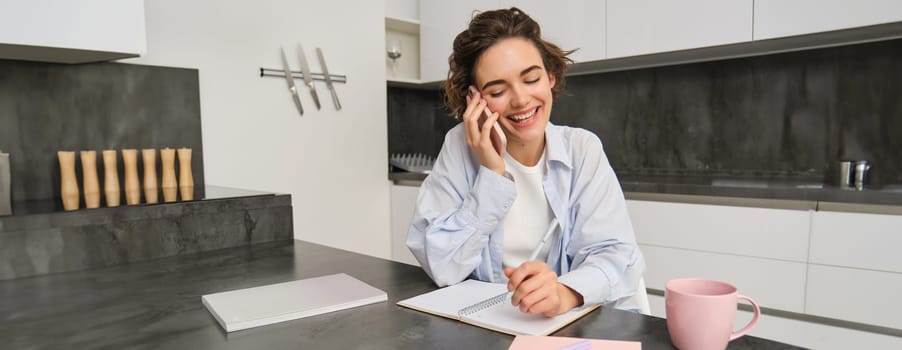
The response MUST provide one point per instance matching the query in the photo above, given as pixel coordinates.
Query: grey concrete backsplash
(46, 107)
(786, 115)
(417, 121)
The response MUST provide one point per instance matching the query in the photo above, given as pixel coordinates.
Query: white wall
(333, 163)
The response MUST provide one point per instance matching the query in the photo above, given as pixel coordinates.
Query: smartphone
(499, 141)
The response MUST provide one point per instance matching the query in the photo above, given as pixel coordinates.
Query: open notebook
(259, 306)
(478, 303)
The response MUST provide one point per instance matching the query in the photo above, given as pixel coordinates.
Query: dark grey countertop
(763, 188)
(753, 189)
(157, 305)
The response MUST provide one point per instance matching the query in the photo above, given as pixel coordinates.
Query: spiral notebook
(486, 305)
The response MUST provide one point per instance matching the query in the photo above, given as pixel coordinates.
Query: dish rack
(412, 162)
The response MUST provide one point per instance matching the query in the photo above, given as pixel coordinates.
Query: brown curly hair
(485, 29)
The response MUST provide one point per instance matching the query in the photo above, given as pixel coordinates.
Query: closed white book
(259, 306)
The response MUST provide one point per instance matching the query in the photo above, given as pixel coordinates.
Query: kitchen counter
(41, 239)
(770, 192)
(157, 305)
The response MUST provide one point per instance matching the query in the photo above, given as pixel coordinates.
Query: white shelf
(403, 81)
(403, 34)
(414, 83)
(402, 25)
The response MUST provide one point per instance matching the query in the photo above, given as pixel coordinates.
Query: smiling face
(511, 76)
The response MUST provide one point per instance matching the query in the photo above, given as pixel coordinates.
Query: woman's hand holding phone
(484, 135)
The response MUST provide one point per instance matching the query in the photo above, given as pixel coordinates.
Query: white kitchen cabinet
(748, 231)
(857, 240)
(772, 283)
(855, 272)
(691, 240)
(762, 251)
(841, 265)
(779, 18)
(636, 27)
(72, 31)
(403, 9)
(855, 295)
(440, 22)
(403, 203)
(569, 24)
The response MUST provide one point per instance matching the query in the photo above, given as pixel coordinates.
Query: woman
(487, 205)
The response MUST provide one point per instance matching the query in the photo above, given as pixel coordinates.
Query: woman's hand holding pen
(536, 290)
(479, 135)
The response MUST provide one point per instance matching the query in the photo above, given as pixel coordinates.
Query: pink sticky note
(538, 342)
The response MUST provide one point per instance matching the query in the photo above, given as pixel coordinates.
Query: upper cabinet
(637, 27)
(626, 34)
(72, 31)
(408, 10)
(779, 18)
(440, 22)
(571, 25)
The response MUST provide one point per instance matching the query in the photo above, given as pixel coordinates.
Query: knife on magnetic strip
(322, 63)
(290, 79)
(308, 77)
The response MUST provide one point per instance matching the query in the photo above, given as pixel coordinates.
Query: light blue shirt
(457, 231)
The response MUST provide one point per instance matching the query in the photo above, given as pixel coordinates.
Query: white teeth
(524, 116)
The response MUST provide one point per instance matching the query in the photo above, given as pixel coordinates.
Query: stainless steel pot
(846, 174)
(861, 174)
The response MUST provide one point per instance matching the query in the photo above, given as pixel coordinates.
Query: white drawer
(775, 284)
(403, 203)
(855, 295)
(868, 241)
(757, 232)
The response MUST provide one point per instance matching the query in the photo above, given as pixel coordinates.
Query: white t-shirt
(529, 216)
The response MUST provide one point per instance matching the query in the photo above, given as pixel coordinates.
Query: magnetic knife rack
(269, 72)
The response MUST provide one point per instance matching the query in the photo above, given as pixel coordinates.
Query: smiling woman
(483, 211)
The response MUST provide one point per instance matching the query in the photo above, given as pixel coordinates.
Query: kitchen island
(41, 238)
(157, 305)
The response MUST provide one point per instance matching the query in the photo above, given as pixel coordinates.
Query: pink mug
(700, 313)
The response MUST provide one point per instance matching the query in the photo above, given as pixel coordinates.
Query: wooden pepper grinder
(186, 180)
(132, 184)
(151, 188)
(68, 182)
(169, 184)
(110, 178)
(89, 183)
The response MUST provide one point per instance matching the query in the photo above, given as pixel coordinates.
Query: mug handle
(752, 323)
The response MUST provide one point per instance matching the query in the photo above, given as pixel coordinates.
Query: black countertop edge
(743, 191)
